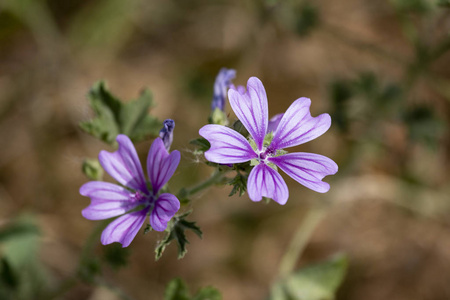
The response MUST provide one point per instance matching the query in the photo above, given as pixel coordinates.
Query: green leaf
(20, 249)
(239, 183)
(147, 228)
(239, 127)
(14, 230)
(113, 117)
(176, 290)
(202, 145)
(183, 196)
(92, 169)
(208, 293)
(316, 282)
(176, 231)
(8, 277)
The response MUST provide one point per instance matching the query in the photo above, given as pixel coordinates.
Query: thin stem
(216, 177)
(300, 240)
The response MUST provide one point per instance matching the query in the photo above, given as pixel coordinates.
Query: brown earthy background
(380, 68)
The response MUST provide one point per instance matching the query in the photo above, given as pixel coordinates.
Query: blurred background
(380, 68)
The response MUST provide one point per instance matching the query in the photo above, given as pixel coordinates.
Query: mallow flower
(134, 199)
(267, 141)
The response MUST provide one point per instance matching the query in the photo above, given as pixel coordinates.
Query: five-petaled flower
(134, 198)
(296, 126)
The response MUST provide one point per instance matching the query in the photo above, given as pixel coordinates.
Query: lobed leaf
(316, 282)
(113, 117)
(176, 290)
(176, 232)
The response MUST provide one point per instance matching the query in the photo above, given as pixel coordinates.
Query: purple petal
(251, 109)
(240, 88)
(264, 181)
(161, 165)
(124, 229)
(123, 165)
(165, 208)
(107, 200)
(297, 126)
(307, 168)
(273, 123)
(227, 145)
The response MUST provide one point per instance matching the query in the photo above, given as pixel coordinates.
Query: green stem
(300, 240)
(215, 178)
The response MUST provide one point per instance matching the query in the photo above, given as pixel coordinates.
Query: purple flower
(296, 126)
(221, 85)
(166, 133)
(134, 198)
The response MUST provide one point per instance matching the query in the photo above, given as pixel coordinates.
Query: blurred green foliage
(22, 275)
(307, 18)
(113, 117)
(92, 169)
(116, 256)
(424, 126)
(177, 290)
(316, 282)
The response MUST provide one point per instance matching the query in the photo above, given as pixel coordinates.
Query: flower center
(266, 152)
(140, 198)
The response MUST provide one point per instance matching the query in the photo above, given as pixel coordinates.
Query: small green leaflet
(113, 117)
(176, 231)
(177, 290)
(92, 169)
(202, 145)
(316, 282)
(239, 183)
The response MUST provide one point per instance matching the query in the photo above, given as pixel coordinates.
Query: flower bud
(166, 133)
(221, 85)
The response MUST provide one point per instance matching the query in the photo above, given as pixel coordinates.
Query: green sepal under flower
(176, 231)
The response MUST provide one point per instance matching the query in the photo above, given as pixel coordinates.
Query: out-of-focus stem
(300, 240)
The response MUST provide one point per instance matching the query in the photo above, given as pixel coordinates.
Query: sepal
(176, 231)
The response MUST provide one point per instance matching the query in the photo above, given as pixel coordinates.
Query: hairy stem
(215, 178)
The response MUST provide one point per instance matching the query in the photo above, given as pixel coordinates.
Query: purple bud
(166, 133)
(221, 85)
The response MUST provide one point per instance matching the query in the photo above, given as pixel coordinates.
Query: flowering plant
(253, 148)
